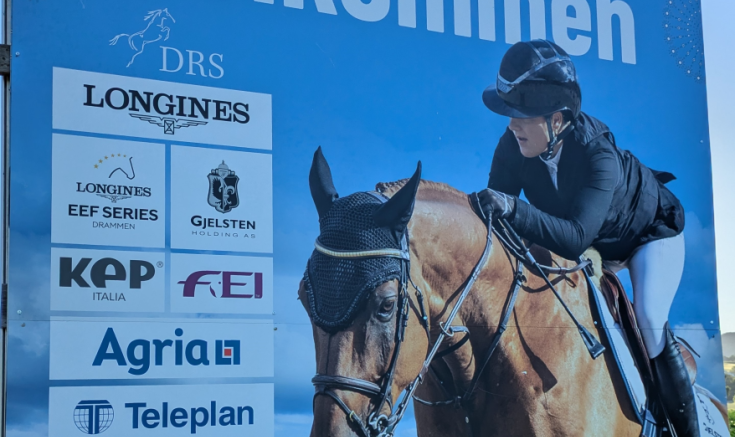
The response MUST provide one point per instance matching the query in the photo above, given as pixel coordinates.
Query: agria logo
(93, 417)
(166, 352)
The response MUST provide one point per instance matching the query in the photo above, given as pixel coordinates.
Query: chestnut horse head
(373, 329)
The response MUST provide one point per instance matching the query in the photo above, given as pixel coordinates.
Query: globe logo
(93, 417)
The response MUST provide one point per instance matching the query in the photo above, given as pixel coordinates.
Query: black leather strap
(346, 383)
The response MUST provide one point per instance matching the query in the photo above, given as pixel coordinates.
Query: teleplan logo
(93, 417)
(166, 352)
(195, 417)
(254, 284)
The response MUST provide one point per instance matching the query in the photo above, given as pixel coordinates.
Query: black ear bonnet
(338, 288)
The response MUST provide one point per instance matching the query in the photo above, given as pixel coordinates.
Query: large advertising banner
(270, 218)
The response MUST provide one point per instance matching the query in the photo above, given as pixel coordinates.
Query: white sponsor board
(221, 200)
(160, 348)
(107, 280)
(182, 410)
(108, 192)
(221, 284)
(129, 106)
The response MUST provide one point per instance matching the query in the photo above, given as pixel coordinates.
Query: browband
(361, 254)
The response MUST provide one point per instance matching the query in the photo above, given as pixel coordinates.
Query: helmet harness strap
(554, 138)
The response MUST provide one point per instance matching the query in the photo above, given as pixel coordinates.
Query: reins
(381, 425)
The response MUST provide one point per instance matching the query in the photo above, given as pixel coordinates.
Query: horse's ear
(320, 183)
(396, 212)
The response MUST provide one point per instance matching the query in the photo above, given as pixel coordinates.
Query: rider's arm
(571, 235)
(506, 167)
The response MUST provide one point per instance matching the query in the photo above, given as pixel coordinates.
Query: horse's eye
(387, 307)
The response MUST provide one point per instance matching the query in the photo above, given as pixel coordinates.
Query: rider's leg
(655, 272)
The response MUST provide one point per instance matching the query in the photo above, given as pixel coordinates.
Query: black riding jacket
(606, 198)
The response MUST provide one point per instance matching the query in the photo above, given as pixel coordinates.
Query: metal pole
(4, 212)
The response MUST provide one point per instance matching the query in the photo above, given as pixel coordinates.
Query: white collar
(553, 162)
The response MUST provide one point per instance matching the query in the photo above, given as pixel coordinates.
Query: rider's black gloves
(489, 203)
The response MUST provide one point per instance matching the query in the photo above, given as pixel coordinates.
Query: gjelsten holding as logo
(223, 196)
(168, 111)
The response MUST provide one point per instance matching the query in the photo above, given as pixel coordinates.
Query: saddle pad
(621, 351)
(710, 411)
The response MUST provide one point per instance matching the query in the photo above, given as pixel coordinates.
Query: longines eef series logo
(111, 176)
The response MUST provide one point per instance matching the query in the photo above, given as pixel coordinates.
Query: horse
(159, 31)
(540, 381)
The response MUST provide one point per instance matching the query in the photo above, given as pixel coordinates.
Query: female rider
(584, 191)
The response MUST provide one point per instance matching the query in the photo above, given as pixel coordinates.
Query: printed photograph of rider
(584, 190)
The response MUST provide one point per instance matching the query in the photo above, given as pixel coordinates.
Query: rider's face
(532, 133)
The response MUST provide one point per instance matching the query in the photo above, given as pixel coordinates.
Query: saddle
(622, 311)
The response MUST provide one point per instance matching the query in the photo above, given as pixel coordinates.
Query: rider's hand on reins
(490, 203)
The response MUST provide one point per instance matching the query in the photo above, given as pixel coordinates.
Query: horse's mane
(428, 190)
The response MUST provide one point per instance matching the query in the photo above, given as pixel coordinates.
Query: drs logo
(228, 281)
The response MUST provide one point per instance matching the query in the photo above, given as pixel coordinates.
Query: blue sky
(377, 97)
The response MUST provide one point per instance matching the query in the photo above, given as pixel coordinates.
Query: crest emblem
(223, 189)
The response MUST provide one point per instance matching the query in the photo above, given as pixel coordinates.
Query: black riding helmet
(536, 79)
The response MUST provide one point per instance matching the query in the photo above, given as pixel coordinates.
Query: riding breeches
(655, 272)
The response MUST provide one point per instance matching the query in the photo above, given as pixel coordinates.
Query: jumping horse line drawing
(132, 170)
(147, 34)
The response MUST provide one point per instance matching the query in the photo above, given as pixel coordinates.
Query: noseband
(377, 424)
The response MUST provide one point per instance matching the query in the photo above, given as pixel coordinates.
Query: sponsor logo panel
(107, 192)
(172, 410)
(107, 280)
(221, 284)
(159, 348)
(221, 200)
(121, 105)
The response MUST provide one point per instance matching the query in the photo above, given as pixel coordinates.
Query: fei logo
(221, 284)
(227, 283)
(93, 417)
(90, 348)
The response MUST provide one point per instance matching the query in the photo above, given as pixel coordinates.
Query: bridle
(382, 425)
(378, 424)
